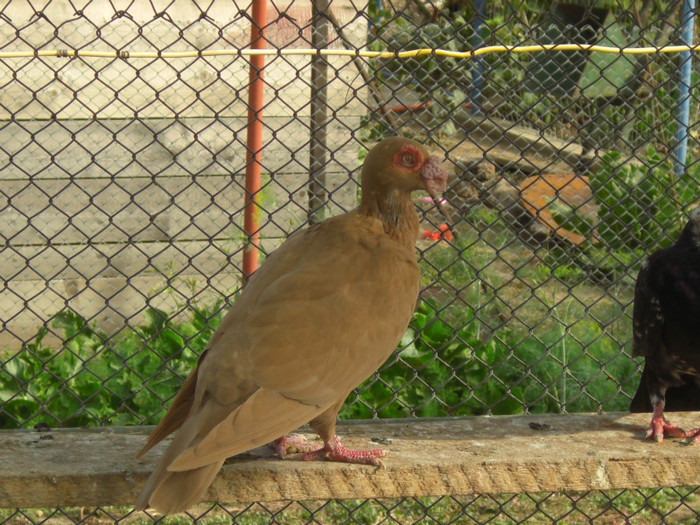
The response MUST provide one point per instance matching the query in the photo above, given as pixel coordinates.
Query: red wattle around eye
(408, 158)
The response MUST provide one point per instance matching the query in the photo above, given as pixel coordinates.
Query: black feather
(683, 398)
(666, 322)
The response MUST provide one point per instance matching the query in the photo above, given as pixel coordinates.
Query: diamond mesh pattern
(675, 506)
(122, 185)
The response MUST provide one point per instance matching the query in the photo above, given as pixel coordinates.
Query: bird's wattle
(434, 176)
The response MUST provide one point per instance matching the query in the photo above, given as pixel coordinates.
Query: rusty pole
(254, 140)
(318, 148)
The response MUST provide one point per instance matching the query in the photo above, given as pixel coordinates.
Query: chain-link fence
(610, 507)
(124, 168)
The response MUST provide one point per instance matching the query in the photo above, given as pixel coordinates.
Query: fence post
(318, 150)
(680, 150)
(254, 139)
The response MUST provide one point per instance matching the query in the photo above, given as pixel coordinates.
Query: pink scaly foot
(660, 426)
(693, 436)
(291, 444)
(334, 451)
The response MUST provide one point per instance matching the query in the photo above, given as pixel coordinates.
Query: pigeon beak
(434, 176)
(435, 179)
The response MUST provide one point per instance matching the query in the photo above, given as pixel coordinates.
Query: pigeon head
(401, 164)
(393, 169)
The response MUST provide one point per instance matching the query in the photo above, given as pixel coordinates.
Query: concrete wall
(122, 181)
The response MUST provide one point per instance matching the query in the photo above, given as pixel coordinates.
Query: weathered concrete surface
(426, 457)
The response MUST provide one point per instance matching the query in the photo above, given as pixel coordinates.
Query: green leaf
(567, 217)
(155, 320)
(71, 323)
(169, 342)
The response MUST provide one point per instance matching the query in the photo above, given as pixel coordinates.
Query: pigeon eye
(408, 160)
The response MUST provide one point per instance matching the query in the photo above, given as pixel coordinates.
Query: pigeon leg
(291, 444)
(660, 426)
(334, 451)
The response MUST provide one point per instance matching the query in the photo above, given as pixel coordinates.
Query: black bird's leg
(693, 436)
(660, 426)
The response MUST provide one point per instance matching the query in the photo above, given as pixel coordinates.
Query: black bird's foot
(693, 436)
(661, 427)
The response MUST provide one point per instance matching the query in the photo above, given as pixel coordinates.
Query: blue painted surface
(680, 152)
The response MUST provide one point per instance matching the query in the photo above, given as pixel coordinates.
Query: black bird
(666, 323)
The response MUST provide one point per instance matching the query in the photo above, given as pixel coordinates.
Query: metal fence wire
(124, 150)
(611, 507)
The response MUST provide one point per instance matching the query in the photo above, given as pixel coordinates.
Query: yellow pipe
(124, 54)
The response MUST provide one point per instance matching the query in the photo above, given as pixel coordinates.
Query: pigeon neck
(397, 213)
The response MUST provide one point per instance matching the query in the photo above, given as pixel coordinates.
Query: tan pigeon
(326, 309)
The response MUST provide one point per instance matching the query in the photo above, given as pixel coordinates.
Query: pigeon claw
(334, 451)
(291, 444)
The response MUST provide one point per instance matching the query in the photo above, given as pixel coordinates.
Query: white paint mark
(600, 478)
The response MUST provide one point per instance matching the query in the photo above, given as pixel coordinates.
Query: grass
(553, 333)
(640, 507)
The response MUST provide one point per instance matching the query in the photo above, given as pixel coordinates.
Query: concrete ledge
(426, 457)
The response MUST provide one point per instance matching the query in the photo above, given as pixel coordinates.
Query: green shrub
(641, 209)
(440, 372)
(437, 370)
(95, 379)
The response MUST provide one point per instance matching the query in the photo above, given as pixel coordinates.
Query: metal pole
(254, 140)
(318, 150)
(683, 108)
(477, 64)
